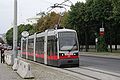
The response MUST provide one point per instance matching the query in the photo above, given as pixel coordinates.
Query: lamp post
(15, 30)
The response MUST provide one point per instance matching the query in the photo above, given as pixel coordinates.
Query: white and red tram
(54, 47)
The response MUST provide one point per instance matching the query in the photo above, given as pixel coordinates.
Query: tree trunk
(86, 44)
(115, 46)
(110, 47)
(110, 43)
(116, 40)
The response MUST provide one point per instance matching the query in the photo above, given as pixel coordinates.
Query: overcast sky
(26, 9)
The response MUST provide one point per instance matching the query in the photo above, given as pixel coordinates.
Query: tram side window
(51, 46)
(40, 45)
(30, 45)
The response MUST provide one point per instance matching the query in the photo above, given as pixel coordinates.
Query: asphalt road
(112, 65)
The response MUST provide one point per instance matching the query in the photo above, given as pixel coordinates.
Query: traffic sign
(25, 34)
(101, 29)
(101, 32)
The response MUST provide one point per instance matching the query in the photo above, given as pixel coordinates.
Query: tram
(55, 47)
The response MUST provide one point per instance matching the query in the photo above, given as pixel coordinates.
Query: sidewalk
(101, 54)
(43, 72)
(40, 72)
(6, 73)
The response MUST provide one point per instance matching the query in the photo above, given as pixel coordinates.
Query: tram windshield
(68, 41)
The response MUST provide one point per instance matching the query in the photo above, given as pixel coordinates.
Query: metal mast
(15, 30)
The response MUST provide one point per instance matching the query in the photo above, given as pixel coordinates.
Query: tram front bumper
(68, 62)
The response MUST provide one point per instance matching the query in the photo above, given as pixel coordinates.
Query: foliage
(101, 47)
(64, 20)
(48, 21)
(21, 28)
(9, 36)
(86, 18)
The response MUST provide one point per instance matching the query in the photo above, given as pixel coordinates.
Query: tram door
(52, 51)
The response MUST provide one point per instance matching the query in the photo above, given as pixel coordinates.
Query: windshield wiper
(72, 47)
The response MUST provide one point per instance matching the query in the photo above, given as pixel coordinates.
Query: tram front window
(67, 41)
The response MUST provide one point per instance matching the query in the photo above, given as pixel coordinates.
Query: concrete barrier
(6, 58)
(9, 59)
(24, 70)
(16, 64)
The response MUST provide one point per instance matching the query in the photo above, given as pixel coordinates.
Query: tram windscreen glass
(67, 41)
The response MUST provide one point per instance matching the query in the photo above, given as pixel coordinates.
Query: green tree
(26, 27)
(116, 22)
(88, 17)
(76, 20)
(48, 21)
(9, 36)
(21, 28)
(101, 12)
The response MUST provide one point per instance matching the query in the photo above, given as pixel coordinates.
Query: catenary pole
(15, 30)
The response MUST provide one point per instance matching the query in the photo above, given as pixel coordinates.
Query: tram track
(104, 72)
(94, 73)
(83, 74)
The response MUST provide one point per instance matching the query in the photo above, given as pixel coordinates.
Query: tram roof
(31, 36)
(51, 32)
(64, 30)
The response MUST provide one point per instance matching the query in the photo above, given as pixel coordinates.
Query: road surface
(107, 64)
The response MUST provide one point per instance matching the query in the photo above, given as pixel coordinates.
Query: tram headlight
(75, 54)
(61, 54)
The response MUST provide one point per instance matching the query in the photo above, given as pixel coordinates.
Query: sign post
(25, 34)
(102, 47)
